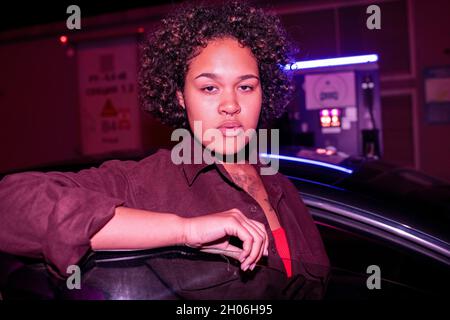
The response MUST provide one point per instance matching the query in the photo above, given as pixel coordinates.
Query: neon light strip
(308, 161)
(315, 182)
(332, 62)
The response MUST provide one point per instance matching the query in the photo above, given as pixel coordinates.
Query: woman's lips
(231, 131)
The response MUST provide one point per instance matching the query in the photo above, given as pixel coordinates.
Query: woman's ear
(180, 99)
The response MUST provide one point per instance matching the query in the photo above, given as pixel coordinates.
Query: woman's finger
(260, 240)
(260, 228)
(231, 251)
(257, 247)
(238, 230)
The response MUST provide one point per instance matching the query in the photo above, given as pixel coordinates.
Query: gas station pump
(338, 106)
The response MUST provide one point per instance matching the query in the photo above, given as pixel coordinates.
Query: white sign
(437, 90)
(330, 90)
(108, 96)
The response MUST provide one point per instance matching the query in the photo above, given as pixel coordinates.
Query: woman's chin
(227, 149)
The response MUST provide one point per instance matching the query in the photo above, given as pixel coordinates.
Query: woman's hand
(211, 233)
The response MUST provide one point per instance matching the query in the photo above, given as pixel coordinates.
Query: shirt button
(253, 208)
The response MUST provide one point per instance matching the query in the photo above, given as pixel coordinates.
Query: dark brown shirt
(53, 216)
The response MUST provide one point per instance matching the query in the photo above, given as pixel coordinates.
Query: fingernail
(253, 266)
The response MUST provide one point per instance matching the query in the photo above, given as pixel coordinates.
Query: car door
(360, 250)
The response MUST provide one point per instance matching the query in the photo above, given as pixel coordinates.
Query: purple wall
(38, 104)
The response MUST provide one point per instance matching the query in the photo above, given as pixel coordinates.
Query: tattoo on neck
(246, 182)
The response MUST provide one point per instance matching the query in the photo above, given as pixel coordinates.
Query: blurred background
(68, 95)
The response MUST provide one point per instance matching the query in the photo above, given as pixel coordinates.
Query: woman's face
(223, 92)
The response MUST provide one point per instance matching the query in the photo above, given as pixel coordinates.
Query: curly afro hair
(167, 52)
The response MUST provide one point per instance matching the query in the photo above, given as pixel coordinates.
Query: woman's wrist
(184, 231)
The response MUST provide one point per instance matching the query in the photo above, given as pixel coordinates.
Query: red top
(282, 246)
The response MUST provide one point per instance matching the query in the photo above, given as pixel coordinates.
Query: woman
(219, 68)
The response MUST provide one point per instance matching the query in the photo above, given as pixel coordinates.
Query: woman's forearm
(142, 229)
(139, 229)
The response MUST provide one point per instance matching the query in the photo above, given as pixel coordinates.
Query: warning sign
(108, 96)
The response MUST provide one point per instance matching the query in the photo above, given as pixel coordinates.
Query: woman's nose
(229, 106)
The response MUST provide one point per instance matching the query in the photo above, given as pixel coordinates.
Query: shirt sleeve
(53, 215)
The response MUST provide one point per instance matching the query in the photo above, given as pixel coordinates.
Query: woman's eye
(209, 89)
(212, 89)
(246, 88)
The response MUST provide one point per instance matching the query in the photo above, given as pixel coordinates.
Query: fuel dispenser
(337, 106)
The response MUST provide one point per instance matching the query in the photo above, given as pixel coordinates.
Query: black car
(385, 229)
(374, 215)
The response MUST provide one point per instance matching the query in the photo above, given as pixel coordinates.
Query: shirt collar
(192, 169)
